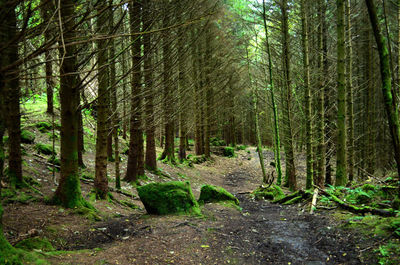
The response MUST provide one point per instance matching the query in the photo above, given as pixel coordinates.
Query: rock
(168, 198)
(210, 193)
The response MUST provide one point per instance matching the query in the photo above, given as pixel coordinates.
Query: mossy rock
(43, 126)
(173, 197)
(229, 151)
(27, 137)
(210, 193)
(241, 147)
(37, 243)
(271, 193)
(45, 149)
(363, 198)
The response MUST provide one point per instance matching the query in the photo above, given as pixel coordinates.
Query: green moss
(168, 198)
(210, 193)
(129, 204)
(368, 187)
(396, 204)
(27, 137)
(198, 159)
(229, 151)
(54, 160)
(44, 125)
(215, 141)
(241, 147)
(35, 243)
(271, 193)
(45, 149)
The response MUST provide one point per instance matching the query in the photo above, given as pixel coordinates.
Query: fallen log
(295, 197)
(357, 210)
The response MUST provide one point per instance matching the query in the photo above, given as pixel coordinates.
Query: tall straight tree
(182, 84)
(12, 98)
(307, 89)
(47, 8)
(341, 173)
(150, 157)
(68, 192)
(277, 142)
(350, 105)
(169, 125)
(290, 176)
(389, 101)
(135, 161)
(101, 181)
(320, 126)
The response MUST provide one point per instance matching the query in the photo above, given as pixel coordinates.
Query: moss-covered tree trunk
(341, 172)
(277, 143)
(350, 98)
(307, 89)
(290, 176)
(101, 181)
(389, 101)
(136, 134)
(12, 97)
(150, 158)
(68, 192)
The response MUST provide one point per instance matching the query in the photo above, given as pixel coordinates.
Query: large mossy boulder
(229, 151)
(273, 192)
(210, 193)
(173, 197)
(27, 137)
(45, 149)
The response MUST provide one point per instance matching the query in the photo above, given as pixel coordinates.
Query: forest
(199, 132)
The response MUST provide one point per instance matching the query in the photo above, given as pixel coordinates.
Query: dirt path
(262, 233)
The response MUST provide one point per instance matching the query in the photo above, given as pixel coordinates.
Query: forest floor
(121, 232)
(261, 233)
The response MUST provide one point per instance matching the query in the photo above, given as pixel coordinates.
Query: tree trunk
(277, 144)
(307, 88)
(68, 192)
(12, 98)
(290, 177)
(169, 151)
(101, 181)
(320, 126)
(114, 99)
(136, 134)
(389, 101)
(341, 173)
(350, 105)
(150, 160)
